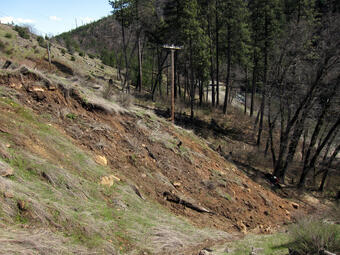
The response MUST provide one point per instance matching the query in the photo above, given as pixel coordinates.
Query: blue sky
(53, 17)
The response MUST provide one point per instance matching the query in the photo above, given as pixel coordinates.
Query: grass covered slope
(83, 174)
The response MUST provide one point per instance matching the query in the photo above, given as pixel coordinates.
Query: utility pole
(172, 48)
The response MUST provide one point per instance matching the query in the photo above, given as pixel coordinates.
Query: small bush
(71, 116)
(22, 31)
(9, 51)
(2, 46)
(42, 41)
(81, 54)
(107, 94)
(91, 56)
(309, 236)
(124, 99)
(8, 35)
(63, 51)
(73, 58)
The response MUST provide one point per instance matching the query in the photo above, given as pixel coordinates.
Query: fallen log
(324, 252)
(178, 200)
(136, 190)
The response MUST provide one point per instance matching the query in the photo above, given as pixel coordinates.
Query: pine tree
(237, 37)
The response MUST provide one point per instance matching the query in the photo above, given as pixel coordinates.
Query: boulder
(177, 184)
(295, 205)
(8, 194)
(109, 180)
(101, 160)
(3, 152)
(5, 169)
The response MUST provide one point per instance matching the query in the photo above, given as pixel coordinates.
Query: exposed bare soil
(143, 150)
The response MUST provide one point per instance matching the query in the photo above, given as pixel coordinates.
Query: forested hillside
(279, 58)
(192, 127)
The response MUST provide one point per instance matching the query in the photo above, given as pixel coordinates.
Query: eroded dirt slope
(144, 150)
(82, 174)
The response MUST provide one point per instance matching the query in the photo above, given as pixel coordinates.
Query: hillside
(86, 175)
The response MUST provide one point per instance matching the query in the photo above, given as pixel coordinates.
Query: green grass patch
(267, 244)
(311, 235)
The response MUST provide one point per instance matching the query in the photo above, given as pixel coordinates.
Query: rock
(22, 205)
(109, 180)
(101, 160)
(8, 194)
(36, 89)
(5, 170)
(204, 252)
(242, 227)
(177, 184)
(295, 205)
(3, 152)
(120, 204)
(7, 64)
(143, 175)
(96, 86)
(227, 250)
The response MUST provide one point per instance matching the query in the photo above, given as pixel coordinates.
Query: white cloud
(9, 19)
(55, 18)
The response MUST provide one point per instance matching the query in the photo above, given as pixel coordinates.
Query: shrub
(81, 54)
(124, 99)
(73, 58)
(2, 46)
(42, 41)
(9, 51)
(91, 56)
(71, 116)
(107, 94)
(22, 31)
(8, 35)
(63, 51)
(309, 236)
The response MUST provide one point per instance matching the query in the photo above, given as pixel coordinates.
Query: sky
(52, 17)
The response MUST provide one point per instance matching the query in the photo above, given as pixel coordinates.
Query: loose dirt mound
(158, 159)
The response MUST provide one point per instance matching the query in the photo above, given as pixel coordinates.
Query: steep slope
(83, 174)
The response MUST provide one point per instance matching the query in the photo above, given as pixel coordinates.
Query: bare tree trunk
(217, 57)
(304, 143)
(245, 92)
(126, 77)
(212, 63)
(225, 105)
(253, 91)
(312, 162)
(200, 86)
(330, 161)
(192, 89)
(294, 141)
(140, 69)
